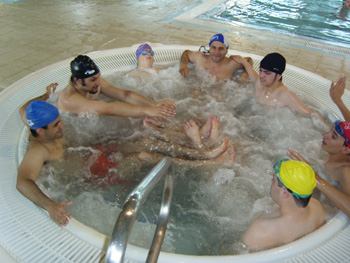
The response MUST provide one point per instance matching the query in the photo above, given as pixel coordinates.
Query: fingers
(60, 215)
(51, 88)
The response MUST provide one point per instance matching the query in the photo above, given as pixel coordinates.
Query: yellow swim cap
(296, 176)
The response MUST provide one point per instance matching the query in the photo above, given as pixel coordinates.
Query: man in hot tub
(297, 215)
(45, 145)
(86, 85)
(216, 63)
(269, 88)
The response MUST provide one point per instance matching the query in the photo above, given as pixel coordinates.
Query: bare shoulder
(345, 179)
(262, 234)
(197, 56)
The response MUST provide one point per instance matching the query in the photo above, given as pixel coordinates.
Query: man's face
(146, 59)
(333, 142)
(217, 51)
(268, 78)
(54, 129)
(92, 84)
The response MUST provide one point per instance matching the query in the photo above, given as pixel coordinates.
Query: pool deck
(35, 34)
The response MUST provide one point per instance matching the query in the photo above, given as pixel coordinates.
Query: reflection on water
(309, 18)
(212, 207)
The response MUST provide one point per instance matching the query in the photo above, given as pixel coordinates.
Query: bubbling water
(212, 207)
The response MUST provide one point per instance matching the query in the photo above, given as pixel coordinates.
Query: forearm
(184, 59)
(344, 110)
(31, 191)
(340, 200)
(250, 71)
(125, 110)
(137, 99)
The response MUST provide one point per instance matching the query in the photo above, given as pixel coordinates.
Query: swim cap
(221, 38)
(83, 67)
(296, 176)
(343, 128)
(273, 62)
(142, 48)
(40, 113)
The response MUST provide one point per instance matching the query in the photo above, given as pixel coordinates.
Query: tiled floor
(36, 33)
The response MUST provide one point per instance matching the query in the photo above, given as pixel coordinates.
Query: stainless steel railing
(122, 229)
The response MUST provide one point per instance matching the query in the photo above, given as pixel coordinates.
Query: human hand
(337, 90)
(167, 103)
(160, 111)
(59, 214)
(296, 156)
(184, 71)
(50, 89)
(237, 58)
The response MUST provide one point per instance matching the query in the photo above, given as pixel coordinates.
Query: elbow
(19, 186)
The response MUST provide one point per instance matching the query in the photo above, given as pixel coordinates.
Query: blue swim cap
(142, 48)
(221, 38)
(83, 67)
(40, 113)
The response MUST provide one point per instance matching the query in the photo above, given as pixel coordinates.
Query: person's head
(85, 73)
(218, 47)
(271, 68)
(347, 4)
(293, 178)
(145, 55)
(43, 119)
(337, 140)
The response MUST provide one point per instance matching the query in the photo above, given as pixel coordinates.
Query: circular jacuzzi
(28, 234)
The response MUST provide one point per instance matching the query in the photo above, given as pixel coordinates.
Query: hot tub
(27, 232)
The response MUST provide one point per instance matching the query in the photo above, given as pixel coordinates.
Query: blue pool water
(318, 20)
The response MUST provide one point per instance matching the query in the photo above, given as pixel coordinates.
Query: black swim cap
(274, 62)
(83, 67)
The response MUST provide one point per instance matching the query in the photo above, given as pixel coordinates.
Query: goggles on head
(145, 52)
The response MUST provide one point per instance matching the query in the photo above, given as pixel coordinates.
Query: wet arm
(126, 96)
(292, 101)
(187, 56)
(119, 109)
(49, 90)
(27, 174)
(340, 199)
(336, 92)
(251, 72)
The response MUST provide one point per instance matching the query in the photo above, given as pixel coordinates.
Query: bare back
(279, 228)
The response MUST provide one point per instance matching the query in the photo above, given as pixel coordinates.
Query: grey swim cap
(83, 67)
(274, 62)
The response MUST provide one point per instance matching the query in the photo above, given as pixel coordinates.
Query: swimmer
(297, 215)
(336, 92)
(343, 13)
(45, 145)
(86, 85)
(50, 89)
(269, 88)
(145, 59)
(216, 63)
(336, 143)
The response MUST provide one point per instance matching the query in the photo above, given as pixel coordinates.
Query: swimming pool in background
(302, 18)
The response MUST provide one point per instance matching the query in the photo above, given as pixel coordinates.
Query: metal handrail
(122, 229)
